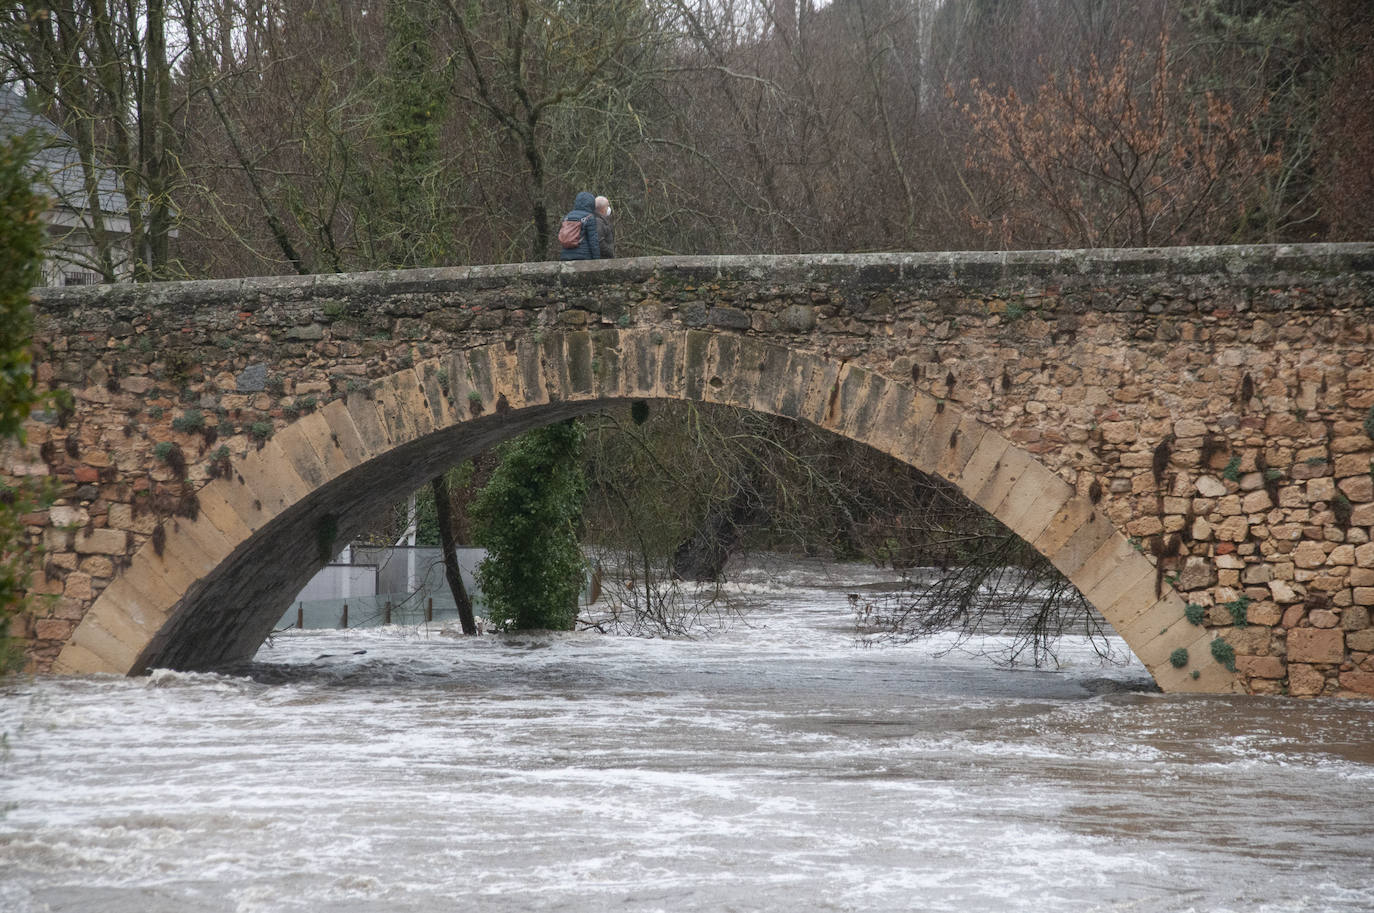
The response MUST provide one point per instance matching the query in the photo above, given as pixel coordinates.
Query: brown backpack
(570, 233)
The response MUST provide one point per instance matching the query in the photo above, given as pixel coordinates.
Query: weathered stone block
(1304, 680)
(1354, 618)
(1309, 555)
(1362, 641)
(1210, 487)
(102, 542)
(1358, 681)
(252, 379)
(1316, 645)
(1272, 667)
(1283, 593)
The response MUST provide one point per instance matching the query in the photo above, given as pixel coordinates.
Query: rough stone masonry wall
(1217, 402)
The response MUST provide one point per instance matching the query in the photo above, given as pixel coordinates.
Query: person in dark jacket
(584, 211)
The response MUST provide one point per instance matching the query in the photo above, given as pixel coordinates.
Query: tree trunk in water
(444, 516)
(703, 556)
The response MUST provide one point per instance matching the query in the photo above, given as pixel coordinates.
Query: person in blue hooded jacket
(584, 211)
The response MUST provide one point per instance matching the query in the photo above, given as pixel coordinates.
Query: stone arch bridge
(1186, 432)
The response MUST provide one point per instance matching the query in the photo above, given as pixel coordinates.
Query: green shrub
(21, 258)
(527, 517)
(1237, 608)
(1195, 613)
(190, 421)
(1224, 653)
(1179, 658)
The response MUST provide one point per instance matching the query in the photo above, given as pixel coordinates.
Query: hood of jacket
(585, 201)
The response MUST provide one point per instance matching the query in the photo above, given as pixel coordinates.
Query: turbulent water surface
(779, 766)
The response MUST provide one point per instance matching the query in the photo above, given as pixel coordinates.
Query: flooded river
(779, 766)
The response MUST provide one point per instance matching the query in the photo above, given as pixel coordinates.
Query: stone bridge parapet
(1215, 406)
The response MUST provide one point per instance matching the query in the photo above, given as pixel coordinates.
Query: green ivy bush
(21, 258)
(527, 517)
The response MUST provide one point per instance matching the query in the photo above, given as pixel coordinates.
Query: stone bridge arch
(200, 597)
(1214, 406)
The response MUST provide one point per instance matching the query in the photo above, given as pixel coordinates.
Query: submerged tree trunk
(703, 556)
(444, 517)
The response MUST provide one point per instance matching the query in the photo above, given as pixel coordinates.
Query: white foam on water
(779, 765)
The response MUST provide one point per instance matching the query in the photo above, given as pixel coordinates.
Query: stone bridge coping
(1267, 262)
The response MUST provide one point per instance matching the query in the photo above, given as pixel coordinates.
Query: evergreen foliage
(527, 517)
(21, 246)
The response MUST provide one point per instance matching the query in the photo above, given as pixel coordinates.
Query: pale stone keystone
(696, 353)
(1086, 540)
(895, 415)
(1160, 617)
(1129, 582)
(188, 551)
(111, 654)
(1070, 518)
(970, 434)
(478, 378)
(935, 438)
(147, 601)
(343, 434)
(911, 431)
(1156, 649)
(883, 431)
(1135, 601)
(436, 400)
(672, 368)
(1034, 502)
(301, 454)
(402, 408)
(743, 379)
(553, 372)
(215, 509)
(529, 384)
(1108, 559)
(315, 432)
(203, 535)
(238, 492)
(823, 387)
(1004, 478)
(641, 357)
(982, 463)
(75, 659)
(803, 373)
(275, 479)
(722, 360)
(362, 410)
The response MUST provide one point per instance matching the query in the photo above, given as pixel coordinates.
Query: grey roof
(57, 162)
